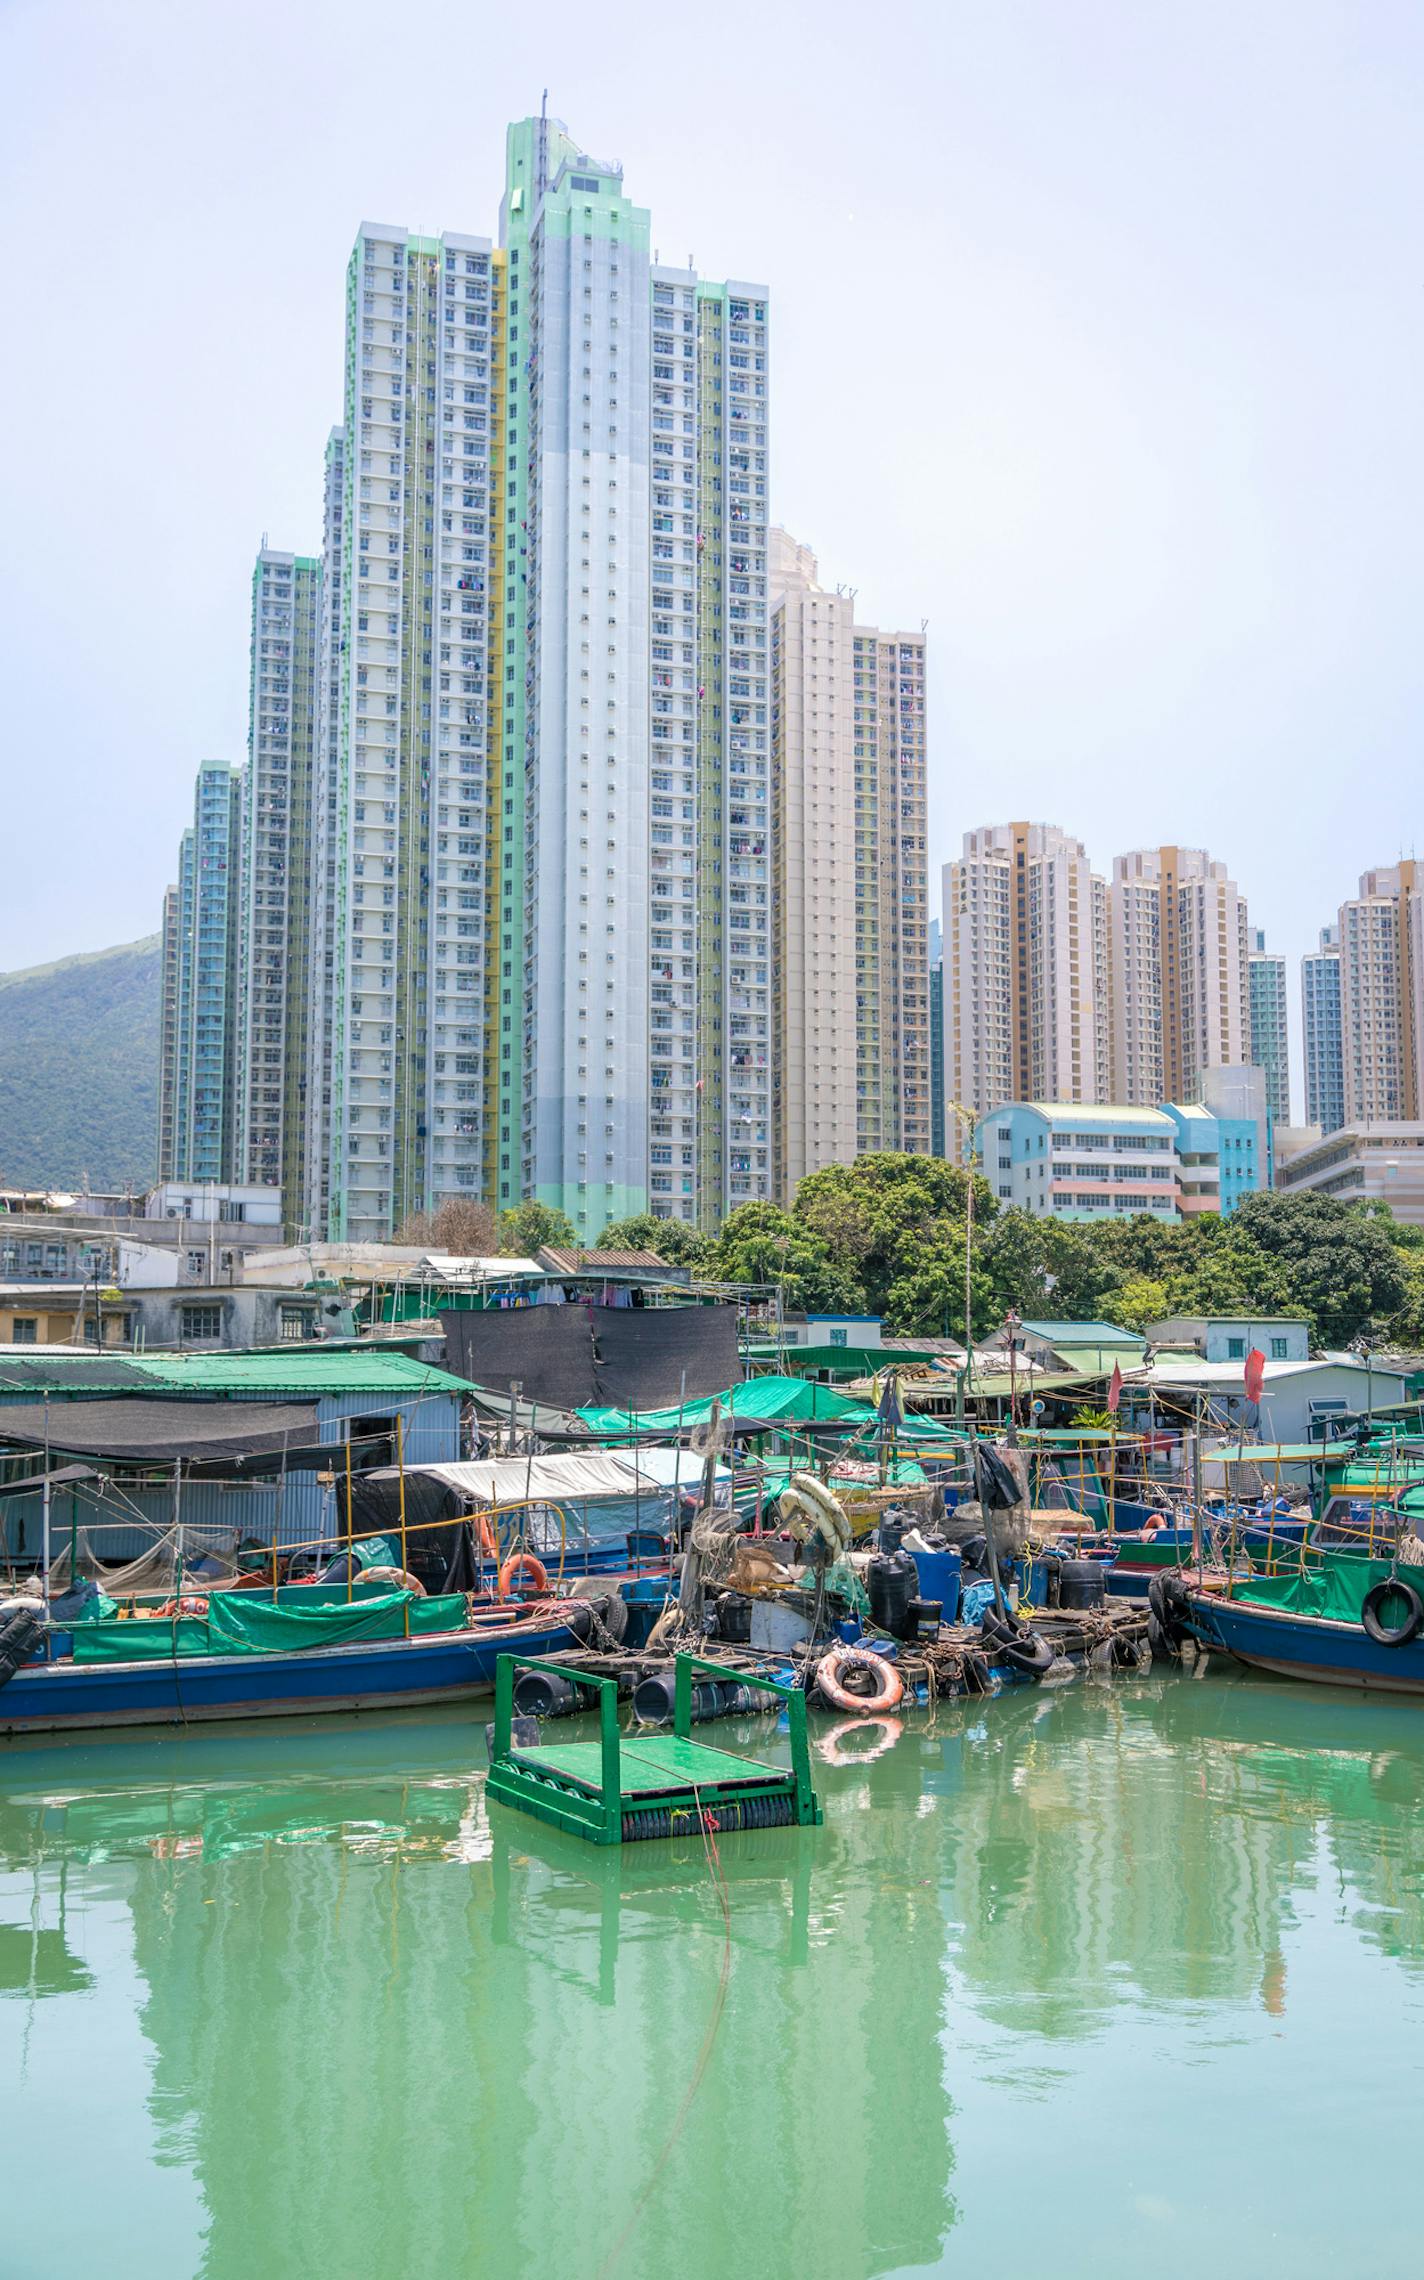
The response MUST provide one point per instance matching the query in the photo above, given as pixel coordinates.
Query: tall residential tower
(1025, 971)
(850, 953)
(1270, 1035)
(1320, 1032)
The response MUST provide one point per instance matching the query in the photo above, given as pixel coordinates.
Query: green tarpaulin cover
(1336, 1589)
(769, 1401)
(238, 1624)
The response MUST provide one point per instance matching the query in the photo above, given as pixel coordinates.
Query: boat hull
(1307, 1647)
(58, 1697)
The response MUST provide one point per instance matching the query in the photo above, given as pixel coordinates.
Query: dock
(625, 1788)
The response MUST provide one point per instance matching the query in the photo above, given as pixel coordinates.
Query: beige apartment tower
(1025, 971)
(850, 950)
(1382, 997)
(1179, 983)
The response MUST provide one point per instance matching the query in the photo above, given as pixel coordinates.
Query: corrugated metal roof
(307, 1374)
(1086, 1333)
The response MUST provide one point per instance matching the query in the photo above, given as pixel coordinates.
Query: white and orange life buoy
(527, 1569)
(887, 1689)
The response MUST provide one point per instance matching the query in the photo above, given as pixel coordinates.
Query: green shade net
(236, 1624)
(1335, 1590)
(768, 1401)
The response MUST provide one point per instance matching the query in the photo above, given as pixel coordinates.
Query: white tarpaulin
(550, 1480)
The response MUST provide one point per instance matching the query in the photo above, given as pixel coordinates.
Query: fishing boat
(1343, 1620)
(236, 1657)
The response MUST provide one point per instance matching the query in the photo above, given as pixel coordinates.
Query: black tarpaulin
(649, 1356)
(578, 1356)
(155, 1431)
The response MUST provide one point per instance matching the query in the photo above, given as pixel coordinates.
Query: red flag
(1255, 1373)
(1115, 1389)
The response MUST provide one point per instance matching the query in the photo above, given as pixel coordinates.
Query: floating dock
(621, 1789)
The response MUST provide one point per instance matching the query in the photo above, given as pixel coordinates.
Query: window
(1236, 1349)
(1279, 1349)
(24, 1330)
(296, 1321)
(202, 1321)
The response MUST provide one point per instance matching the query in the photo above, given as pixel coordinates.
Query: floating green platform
(625, 1787)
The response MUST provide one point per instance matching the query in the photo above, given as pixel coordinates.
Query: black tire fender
(1392, 1634)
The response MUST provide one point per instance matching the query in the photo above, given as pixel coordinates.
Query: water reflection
(393, 2033)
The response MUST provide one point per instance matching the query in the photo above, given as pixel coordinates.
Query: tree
(459, 1224)
(527, 1227)
(883, 1216)
(1330, 1260)
(761, 1243)
(672, 1239)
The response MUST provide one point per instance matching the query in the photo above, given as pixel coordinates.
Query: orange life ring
(828, 1680)
(524, 1565)
(172, 1607)
(831, 1746)
(489, 1536)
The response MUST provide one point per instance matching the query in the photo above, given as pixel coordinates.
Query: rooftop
(562, 1262)
(300, 1372)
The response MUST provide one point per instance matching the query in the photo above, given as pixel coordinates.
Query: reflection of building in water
(382, 2058)
(1159, 1833)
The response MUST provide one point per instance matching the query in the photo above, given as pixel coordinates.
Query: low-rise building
(1219, 1159)
(1231, 1337)
(1075, 1160)
(1072, 1160)
(1363, 1163)
(1299, 1400)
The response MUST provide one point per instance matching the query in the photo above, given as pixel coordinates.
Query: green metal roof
(1086, 1334)
(304, 1373)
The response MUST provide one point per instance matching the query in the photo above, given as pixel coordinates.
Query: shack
(235, 1448)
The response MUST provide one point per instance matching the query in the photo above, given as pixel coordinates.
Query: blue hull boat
(55, 1696)
(1330, 1651)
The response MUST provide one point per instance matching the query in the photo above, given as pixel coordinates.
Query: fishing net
(200, 1556)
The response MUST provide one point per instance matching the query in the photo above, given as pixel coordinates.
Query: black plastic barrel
(734, 1618)
(654, 1699)
(892, 1581)
(1081, 1584)
(926, 1615)
(890, 1533)
(543, 1694)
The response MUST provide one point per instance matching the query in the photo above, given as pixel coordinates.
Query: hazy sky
(1097, 342)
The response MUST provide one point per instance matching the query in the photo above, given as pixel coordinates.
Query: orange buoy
(888, 1686)
(527, 1568)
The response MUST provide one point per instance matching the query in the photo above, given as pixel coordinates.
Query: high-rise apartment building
(1382, 997)
(1179, 985)
(892, 892)
(636, 925)
(400, 839)
(328, 834)
(936, 967)
(1320, 1033)
(1270, 1035)
(198, 1055)
(273, 890)
(539, 847)
(1025, 971)
(850, 1029)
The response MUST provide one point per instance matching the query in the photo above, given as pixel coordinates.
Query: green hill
(79, 1070)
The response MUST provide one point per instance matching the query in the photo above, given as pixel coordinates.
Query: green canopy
(767, 1401)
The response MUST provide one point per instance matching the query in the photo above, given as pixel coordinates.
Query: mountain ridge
(79, 1040)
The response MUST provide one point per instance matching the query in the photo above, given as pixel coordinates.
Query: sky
(1098, 328)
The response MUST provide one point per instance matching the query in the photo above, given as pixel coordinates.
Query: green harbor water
(1116, 1979)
